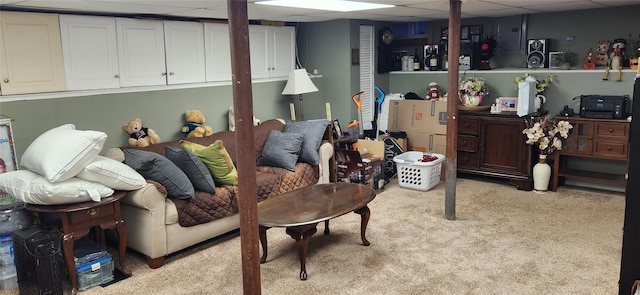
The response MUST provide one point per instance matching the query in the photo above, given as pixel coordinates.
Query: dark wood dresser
(592, 138)
(493, 145)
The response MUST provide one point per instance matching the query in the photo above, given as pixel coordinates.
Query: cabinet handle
(467, 125)
(464, 142)
(610, 129)
(93, 212)
(116, 76)
(163, 74)
(609, 148)
(6, 80)
(170, 73)
(465, 159)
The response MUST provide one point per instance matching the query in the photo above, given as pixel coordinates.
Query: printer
(604, 106)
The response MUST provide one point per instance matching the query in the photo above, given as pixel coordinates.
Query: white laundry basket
(418, 175)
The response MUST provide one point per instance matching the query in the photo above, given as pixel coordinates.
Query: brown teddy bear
(140, 136)
(194, 126)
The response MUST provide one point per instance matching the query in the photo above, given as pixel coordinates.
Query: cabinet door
(184, 43)
(90, 52)
(31, 53)
(504, 148)
(141, 52)
(259, 51)
(580, 138)
(283, 41)
(217, 52)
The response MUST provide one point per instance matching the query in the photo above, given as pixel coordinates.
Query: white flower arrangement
(548, 134)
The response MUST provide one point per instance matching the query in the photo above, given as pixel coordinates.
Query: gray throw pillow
(193, 167)
(313, 131)
(281, 150)
(158, 168)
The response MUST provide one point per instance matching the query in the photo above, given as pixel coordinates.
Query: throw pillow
(281, 150)
(158, 168)
(217, 159)
(62, 152)
(313, 132)
(33, 188)
(113, 174)
(193, 167)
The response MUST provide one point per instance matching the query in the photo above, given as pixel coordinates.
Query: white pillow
(114, 174)
(62, 152)
(32, 188)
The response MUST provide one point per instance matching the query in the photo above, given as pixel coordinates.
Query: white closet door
(141, 52)
(366, 76)
(217, 52)
(283, 41)
(90, 52)
(259, 51)
(184, 44)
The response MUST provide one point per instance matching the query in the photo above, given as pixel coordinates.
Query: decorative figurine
(434, 92)
(589, 62)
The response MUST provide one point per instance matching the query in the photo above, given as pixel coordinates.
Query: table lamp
(299, 83)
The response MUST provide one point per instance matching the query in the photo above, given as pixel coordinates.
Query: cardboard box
(425, 116)
(427, 142)
(355, 168)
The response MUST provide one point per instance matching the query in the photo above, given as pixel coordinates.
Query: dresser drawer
(467, 143)
(609, 129)
(92, 214)
(468, 125)
(467, 159)
(611, 149)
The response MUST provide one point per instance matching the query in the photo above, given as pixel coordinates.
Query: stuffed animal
(140, 136)
(194, 126)
(602, 58)
(232, 120)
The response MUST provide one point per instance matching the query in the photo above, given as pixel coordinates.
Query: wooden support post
(451, 162)
(243, 107)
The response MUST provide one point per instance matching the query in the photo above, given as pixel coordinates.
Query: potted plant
(565, 59)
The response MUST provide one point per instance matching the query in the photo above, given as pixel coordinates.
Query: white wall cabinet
(31, 53)
(217, 52)
(272, 51)
(141, 55)
(184, 45)
(90, 50)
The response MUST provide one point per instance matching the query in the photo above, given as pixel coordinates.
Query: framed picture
(475, 38)
(508, 104)
(337, 131)
(8, 160)
(475, 30)
(464, 33)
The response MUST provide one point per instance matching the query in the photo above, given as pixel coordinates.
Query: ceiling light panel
(330, 5)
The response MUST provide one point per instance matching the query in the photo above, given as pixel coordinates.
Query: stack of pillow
(62, 166)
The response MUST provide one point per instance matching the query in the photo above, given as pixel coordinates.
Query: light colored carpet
(504, 241)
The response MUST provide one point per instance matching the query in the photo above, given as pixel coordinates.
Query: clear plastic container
(8, 279)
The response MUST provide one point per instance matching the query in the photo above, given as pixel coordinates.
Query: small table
(301, 210)
(77, 221)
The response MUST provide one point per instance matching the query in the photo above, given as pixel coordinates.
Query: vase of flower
(541, 175)
(471, 90)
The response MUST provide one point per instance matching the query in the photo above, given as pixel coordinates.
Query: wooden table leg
(67, 252)
(122, 246)
(326, 227)
(302, 234)
(263, 242)
(365, 213)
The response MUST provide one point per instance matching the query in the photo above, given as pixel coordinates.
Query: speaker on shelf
(538, 53)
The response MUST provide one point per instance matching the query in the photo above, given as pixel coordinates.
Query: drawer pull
(467, 124)
(93, 212)
(464, 142)
(610, 129)
(609, 148)
(465, 159)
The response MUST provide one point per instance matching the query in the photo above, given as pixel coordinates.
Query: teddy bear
(140, 136)
(194, 126)
(602, 59)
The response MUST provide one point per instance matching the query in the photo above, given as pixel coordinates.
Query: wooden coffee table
(301, 210)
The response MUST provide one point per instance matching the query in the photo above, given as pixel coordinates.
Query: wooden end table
(78, 219)
(301, 210)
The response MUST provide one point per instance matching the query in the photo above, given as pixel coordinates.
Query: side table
(78, 219)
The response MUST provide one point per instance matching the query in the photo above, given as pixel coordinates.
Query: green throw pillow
(217, 159)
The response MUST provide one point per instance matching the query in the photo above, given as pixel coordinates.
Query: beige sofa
(152, 219)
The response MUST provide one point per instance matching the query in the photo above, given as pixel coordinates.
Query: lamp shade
(299, 83)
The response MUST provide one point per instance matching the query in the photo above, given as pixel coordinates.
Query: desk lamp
(299, 83)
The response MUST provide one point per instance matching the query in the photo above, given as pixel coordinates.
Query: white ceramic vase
(541, 175)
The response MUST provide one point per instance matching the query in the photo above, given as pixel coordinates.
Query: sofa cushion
(158, 168)
(313, 132)
(33, 188)
(217, 159)
(112, 173)
(61, 153)
(193, 167)
(281, 150)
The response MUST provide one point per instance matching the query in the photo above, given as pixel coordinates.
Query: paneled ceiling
(405, 10)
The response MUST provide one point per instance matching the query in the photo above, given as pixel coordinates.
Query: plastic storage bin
(417, 175)
(91, 275)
